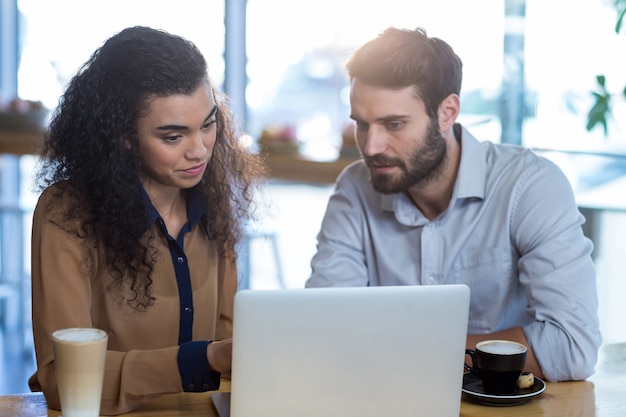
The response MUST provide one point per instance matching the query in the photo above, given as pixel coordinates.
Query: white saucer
(473, 388)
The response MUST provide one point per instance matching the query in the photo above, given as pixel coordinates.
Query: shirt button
(191, 387)
(205, 387)
(180, 260)
(187, 310)
(431, 280)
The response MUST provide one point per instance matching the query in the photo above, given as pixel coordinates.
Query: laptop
(366, 351)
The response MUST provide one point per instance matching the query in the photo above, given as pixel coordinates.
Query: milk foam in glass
(79, 364)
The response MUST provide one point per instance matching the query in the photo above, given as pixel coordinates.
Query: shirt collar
(196, 208)
(470, 180)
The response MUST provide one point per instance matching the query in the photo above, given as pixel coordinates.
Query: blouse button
(191, 387)
(205, 387)
(180, 260)
(187, 310)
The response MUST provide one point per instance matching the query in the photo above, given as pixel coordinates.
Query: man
(430, 204)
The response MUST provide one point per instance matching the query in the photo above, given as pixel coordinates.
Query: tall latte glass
(79, 362)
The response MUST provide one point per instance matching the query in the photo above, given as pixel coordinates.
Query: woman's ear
(448, 112)
(125, 142)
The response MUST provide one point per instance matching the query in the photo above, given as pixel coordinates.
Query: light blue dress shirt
(512, 232)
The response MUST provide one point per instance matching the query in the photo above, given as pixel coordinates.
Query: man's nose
(375, 142)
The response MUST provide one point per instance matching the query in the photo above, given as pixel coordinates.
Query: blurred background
(544, 74)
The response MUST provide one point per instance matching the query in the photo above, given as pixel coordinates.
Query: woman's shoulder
(56, 193)
(56, 200)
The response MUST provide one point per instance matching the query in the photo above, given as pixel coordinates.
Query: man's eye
(394, 125)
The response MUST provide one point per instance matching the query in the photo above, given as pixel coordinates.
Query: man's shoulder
(511, 167)
(355, 172)
(358, 165)
(510, 155)
(354, 185)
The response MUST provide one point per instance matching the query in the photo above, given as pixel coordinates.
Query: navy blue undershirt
(195, 372)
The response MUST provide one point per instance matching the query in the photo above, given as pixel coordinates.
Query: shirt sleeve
(227, 289)
(557, 272)
(195, 371)
(340, 257)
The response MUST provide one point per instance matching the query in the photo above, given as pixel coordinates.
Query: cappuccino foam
(502, 348)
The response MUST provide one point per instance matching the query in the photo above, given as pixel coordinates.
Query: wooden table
(293, 167)
(603, 395)
(20, 141)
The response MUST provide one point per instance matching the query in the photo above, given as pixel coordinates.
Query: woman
(146, 189)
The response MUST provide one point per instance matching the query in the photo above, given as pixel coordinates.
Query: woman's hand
(220, 355)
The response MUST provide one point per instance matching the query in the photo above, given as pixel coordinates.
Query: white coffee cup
(79, 363)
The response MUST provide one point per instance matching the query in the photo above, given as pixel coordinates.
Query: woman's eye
(208, 124)
(171, 138)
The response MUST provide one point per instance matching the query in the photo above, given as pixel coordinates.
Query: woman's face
(176, 139)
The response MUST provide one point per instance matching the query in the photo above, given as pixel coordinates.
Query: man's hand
(220, 355)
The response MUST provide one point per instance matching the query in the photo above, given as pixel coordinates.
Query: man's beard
(425, 164)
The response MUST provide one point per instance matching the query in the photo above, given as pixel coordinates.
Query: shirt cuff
(195, 372)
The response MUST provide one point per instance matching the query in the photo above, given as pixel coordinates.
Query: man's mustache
(382, 160)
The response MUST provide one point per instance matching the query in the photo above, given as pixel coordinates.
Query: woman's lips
(193, 171)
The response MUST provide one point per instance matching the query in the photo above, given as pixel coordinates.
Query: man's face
(400, 144)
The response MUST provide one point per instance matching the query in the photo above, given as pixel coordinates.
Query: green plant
(601, 109)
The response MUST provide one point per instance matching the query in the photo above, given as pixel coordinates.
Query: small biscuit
(526, 380)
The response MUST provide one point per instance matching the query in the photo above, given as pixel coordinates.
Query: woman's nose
(197, 148)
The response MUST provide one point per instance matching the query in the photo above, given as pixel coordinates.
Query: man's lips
(382, 168)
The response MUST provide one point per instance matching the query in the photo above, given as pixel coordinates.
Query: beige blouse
(69, 282)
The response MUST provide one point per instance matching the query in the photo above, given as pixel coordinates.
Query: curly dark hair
(399, 58)
(86, 148)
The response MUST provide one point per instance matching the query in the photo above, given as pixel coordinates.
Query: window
(296, 60)
(297, 80)
(296, 77)
(567, 45)
(58, 36)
